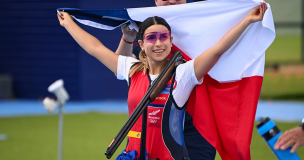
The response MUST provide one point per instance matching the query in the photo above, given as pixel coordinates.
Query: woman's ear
(141, 43)
(171, 40)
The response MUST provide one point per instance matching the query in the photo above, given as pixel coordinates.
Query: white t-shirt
(185, 78)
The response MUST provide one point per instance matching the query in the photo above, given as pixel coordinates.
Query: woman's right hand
(65, 20)
(257, 13)
(128, 35)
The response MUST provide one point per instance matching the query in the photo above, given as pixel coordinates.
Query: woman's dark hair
(149, 22)
(143, 65)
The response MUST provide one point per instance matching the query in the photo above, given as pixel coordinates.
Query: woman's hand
(257, 13)
(204, 62)
(65, 20)
(128, 35)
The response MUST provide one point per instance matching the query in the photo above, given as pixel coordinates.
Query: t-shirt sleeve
(186, 81)
(123, 67)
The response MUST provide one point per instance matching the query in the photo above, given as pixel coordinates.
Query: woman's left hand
(257, 13)
(129, 35)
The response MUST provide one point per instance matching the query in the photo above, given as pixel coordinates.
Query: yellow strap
(134, 134)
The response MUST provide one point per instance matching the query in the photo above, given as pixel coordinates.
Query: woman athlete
(155, 41)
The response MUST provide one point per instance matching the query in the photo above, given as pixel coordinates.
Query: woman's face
(158, 51)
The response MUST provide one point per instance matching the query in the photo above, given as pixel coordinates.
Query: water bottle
(270, 133)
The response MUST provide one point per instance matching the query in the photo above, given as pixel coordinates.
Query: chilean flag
(223, 107)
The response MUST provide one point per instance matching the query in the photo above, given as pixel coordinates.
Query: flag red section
(224, 113)
(174, 48)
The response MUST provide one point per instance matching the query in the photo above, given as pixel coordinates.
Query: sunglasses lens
(163, 37)
(153, 36)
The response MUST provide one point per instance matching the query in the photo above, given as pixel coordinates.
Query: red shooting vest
(139, 84)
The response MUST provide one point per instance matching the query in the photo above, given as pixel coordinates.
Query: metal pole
(302, 30)
(60, 132)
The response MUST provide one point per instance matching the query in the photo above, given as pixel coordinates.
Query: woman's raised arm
(89, 43)
(125, 46)
(204, 62)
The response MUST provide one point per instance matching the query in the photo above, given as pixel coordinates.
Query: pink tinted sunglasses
(153, 36)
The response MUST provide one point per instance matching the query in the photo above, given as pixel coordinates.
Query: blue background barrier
(36, 51)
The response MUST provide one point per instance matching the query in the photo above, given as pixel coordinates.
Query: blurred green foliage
(283, 86)
(285, 50)
(284, 72)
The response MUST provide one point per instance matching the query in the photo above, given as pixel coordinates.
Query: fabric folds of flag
(107, 19)
(223, 107)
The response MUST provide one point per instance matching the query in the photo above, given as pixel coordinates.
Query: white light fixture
(50, 104)
(60, 92)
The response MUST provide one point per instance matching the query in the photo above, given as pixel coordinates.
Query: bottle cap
(262, 121)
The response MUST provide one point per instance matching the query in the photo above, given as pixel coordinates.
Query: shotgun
(153, 91)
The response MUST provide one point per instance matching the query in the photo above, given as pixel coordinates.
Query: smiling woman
(155, 42)
(161, 126)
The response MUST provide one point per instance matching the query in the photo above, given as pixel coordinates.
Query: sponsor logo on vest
(154, 117)
(154, 112)
(161, 98)
(153, 121)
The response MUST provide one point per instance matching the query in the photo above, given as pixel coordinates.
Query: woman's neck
(156, 67)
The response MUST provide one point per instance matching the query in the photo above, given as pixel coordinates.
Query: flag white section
(199, 26)
(94, 24)
(105, 27)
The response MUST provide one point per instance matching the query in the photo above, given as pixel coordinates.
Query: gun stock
(160, 86)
